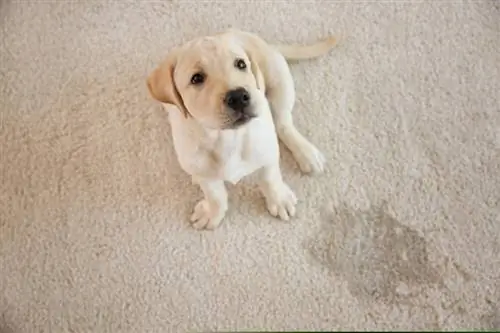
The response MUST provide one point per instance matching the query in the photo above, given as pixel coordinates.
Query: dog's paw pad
(206, 216)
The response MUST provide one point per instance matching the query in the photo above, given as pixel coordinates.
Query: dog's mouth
(239, 117)
(242, 119)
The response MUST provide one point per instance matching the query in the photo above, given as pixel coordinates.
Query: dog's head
(216, 80)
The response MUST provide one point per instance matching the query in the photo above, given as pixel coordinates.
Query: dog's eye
(240, 64)
(197, 78)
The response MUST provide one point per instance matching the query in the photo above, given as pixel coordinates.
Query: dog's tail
(299, 52)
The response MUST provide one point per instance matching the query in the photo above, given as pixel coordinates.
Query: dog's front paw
(281, 202)
(207, 215)
(309, 158)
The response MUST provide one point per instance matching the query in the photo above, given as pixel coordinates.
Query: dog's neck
(223, 143)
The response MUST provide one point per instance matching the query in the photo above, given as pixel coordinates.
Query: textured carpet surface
(401, 232)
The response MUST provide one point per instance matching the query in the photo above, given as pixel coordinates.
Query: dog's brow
(197, 67)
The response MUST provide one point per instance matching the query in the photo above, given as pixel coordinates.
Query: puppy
(229, 98)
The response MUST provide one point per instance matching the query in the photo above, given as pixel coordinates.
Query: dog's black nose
(237, 99)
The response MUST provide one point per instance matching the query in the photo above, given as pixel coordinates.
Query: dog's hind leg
(281, 96)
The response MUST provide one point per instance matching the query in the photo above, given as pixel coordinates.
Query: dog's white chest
(240, 153)
(227, 155)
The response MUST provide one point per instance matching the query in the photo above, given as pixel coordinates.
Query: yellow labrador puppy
(229, 97)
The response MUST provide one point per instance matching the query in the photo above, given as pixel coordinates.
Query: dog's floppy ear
(255, 56)
(161, 83)
(259, 77)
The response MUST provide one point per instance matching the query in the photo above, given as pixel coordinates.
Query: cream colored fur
(207, 146)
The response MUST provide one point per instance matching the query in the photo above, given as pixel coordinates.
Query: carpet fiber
(402, 231)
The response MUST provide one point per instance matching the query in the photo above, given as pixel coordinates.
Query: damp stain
(378, 256)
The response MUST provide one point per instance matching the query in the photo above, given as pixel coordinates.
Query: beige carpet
(401, 232)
